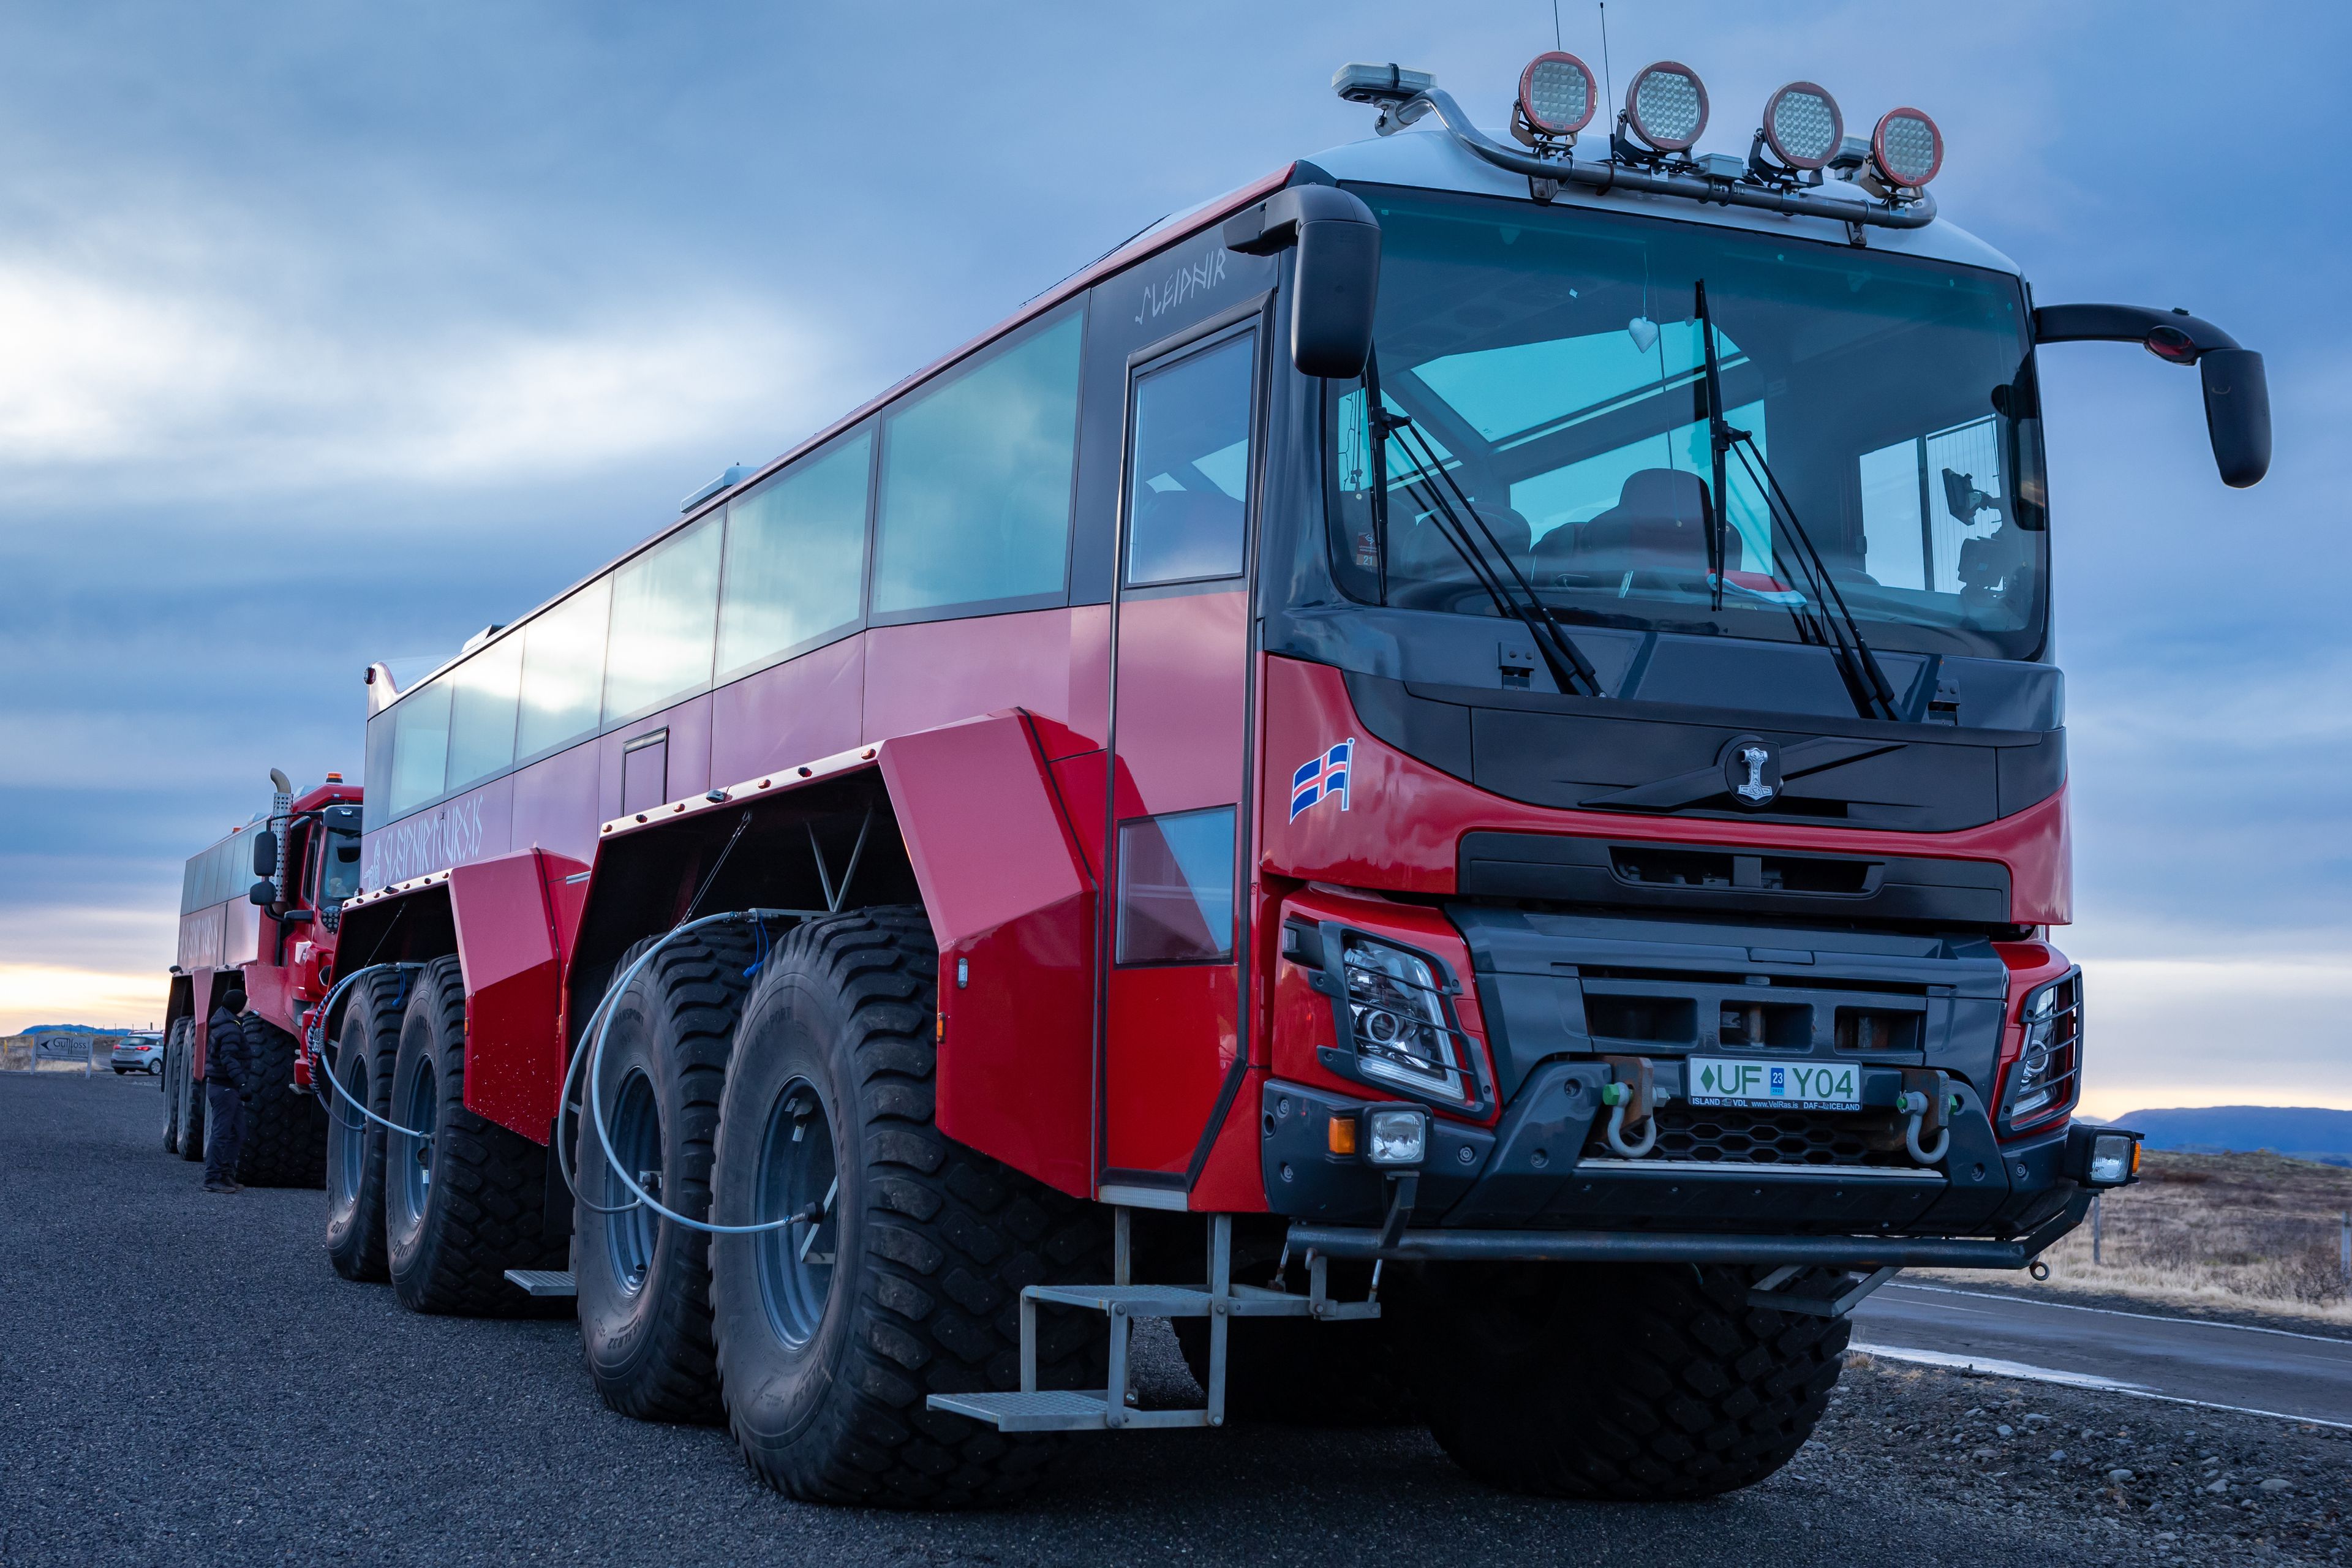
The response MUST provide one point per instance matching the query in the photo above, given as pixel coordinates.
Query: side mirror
(265, 853)
(1336, 274)
(2237, 393)
(2237, 414)
(263, 892)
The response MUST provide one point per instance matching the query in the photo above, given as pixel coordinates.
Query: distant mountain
(2299, 1131)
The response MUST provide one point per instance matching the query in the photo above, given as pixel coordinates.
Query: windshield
(339, 869)
(1551, 362)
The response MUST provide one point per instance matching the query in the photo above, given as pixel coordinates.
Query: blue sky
(330, 332)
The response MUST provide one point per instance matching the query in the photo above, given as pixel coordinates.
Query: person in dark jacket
(229, 1089)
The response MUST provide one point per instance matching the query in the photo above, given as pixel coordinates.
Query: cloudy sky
(330, 332)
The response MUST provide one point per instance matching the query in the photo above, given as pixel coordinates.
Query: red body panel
(1011, 903)
(809, 707)
(507, 942)
(1053, 663)
(1405, 819)
(1171, 1032)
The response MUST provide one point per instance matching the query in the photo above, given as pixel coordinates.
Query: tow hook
(1928, 1100)
(1629, 1100)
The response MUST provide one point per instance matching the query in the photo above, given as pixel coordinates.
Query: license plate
(1804, 1086)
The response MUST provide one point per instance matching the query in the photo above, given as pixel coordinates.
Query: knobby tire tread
(1665, 1385)
(284, 1128)
(957, 1235)
(486, 1215)
(699, 982)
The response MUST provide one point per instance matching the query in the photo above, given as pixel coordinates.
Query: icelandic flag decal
(1322, 778)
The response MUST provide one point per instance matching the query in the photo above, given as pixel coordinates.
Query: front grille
(1730, 1136)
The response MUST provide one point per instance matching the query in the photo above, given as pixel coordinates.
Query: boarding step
(1053, 1410)
(543, 1281)
(1033, 1409)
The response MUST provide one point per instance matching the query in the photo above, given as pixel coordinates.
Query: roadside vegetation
(2227, 1233)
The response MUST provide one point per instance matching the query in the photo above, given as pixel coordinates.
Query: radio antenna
(1554, 26)
(1608, 82)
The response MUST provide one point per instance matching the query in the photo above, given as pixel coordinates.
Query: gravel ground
(183, 1379)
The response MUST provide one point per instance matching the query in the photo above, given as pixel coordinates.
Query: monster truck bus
(258, 913)
(1446, 771)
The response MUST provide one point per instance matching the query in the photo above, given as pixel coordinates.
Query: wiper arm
(1570, 671)
(1866, 680)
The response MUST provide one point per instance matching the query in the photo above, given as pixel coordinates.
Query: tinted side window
(1176, 887)
(192, 883)
(420, 746)
(795, 556)
(1191, 470)
(564, 670)
(665, 603)
(482, 711)
(975, 500)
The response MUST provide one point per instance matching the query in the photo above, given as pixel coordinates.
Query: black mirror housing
(1336, 276)
(2237, 414)
(264, 892)
(265, 853)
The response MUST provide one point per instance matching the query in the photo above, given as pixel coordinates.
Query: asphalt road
(183, 1379)
(2184, 1358)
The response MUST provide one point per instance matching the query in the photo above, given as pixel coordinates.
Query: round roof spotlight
(1557, 94)
(1802, 125)
(1665, 105)
(1906, 148)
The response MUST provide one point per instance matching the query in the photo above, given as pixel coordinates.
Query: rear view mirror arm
(2237, 392)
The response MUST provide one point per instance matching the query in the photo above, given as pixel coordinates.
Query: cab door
(1181, 645)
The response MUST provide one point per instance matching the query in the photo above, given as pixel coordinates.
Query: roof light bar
(1665, 105)
(1802, 125)
(1558, 94)
(1907, 150)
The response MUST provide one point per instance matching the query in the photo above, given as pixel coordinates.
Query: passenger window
(1188, 477)
(665, 605)
(420, 746)
(482, 711)
(1176, 887)
(795, 556)
(975, 503)
(564, 670)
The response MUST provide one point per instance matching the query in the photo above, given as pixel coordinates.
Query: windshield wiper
(1866, 680)
(1570, 671)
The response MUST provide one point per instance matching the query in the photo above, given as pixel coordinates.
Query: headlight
(1398, 1013)
(2113, 1158)
(2047, 1075)
(1396, 1137)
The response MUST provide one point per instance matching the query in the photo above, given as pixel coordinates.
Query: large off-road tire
(285, 1127)
(365, 1048)
(910, 1286)
(1631, 1382)
(644, 1283)
(466, 1202)
(189, 1096)
(1295, 1371)
(175, 1046)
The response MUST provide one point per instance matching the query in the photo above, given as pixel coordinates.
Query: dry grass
(2251, 1232)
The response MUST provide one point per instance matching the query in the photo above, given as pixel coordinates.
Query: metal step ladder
(1033, 1409)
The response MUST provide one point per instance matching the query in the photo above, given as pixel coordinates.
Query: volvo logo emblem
(1751, 770)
